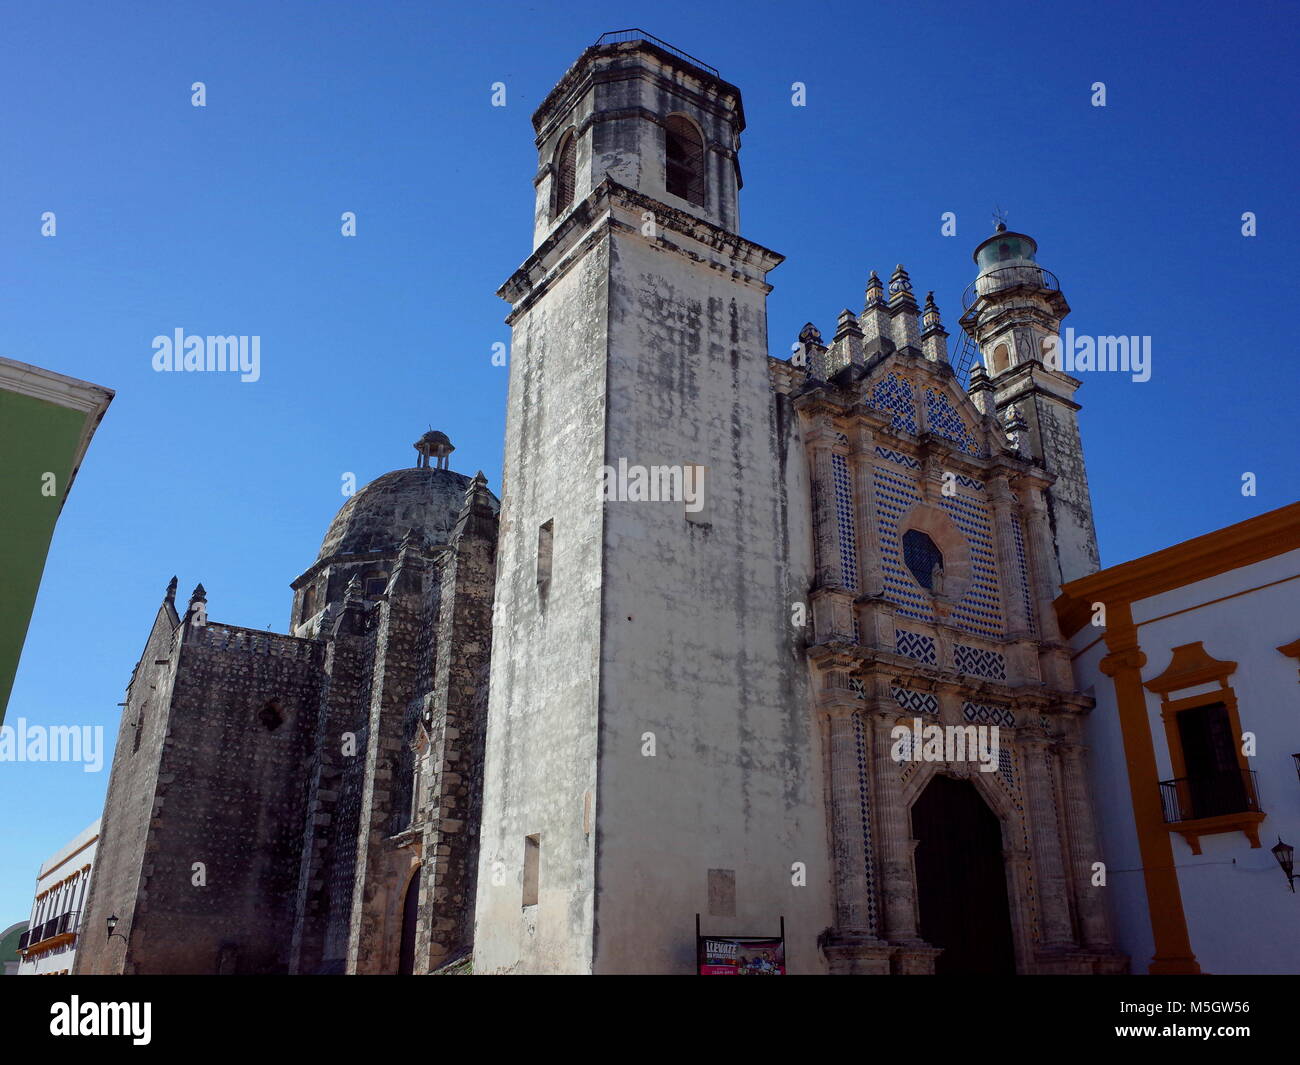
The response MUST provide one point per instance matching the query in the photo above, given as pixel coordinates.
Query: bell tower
(646, 760)
(648, 116)
(1014, 316)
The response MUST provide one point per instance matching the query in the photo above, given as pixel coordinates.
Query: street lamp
(112, 923)
(1284, 856)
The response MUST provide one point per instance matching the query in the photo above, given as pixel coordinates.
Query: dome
(379, 516)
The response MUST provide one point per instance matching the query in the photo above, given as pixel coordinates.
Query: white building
(49, 945)
(1194, 662)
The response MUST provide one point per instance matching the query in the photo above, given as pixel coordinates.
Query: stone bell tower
(1015, 309)
(646, 761)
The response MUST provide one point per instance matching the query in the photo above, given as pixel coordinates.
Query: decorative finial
(1014, 425)
(930, 314)
(433, 444)
(875, 290)
(197, 612)
(352, 593)
(171, 591)
(999, 219)
(810, 334)
(900, 285)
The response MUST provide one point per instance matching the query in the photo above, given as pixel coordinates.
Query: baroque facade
(307, 803)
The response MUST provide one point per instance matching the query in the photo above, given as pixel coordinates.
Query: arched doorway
(410, 911)
(961, 882)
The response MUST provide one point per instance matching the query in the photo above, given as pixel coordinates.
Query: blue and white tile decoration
(1023, 568)
(977, 662)
(943, 420)
(984, 714)
(916, 645)
(980, 609)
(895, 496)
(901, 459)
(864, 801)
(916, 702)
(895, 393)
(847, 525)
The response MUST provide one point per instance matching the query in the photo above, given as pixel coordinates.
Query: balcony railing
(622, 36)
(55, 926)
(1028, 275)
(1209, 795)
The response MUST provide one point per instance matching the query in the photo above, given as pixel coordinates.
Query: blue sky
(225, 220)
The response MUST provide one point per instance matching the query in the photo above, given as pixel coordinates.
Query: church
(575, 733)
(301, 803)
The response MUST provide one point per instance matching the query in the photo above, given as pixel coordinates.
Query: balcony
(49, 934)
(1028, 277)
(1211, 803)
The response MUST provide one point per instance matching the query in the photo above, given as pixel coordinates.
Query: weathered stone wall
(381, 872)
(129, 804)
(231, 795)
(540, 770)
(333, 808)
(1055, 427)
(451, 802)
(698, 645)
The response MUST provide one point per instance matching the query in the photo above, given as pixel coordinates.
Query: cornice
(1243, 544)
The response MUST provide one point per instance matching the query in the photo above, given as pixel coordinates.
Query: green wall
(36, 437)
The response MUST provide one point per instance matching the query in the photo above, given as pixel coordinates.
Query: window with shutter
(566, 173)
(684, 159)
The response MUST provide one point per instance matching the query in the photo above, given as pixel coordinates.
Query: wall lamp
(112, 923)
(1285, 856)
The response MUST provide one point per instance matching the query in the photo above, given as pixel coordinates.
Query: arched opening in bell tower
(684, 159)
(566, 173)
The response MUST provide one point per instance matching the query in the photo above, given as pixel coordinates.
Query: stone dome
(379, 516)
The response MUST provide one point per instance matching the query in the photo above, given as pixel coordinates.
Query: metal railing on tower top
(622, 36)
(1029, 275)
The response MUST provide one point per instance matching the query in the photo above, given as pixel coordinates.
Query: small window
(308, 603)
(923, 559)
(1215, 783)
(566, 173)
(684, 160)
(271, 715)
(1004, 251)
(139, 729)
(376, 586)
(532, 868)
(1001, 356)
(545, 556)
